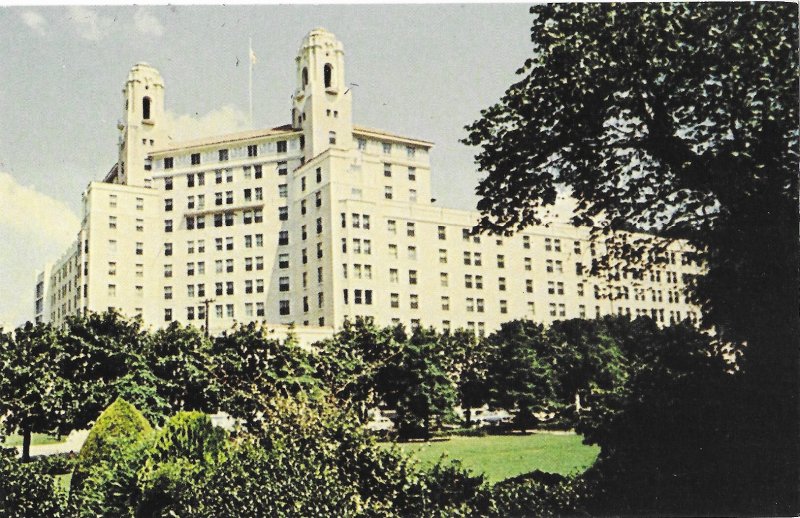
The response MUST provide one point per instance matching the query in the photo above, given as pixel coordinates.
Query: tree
(415, 383)
(465, 360)
(104, 357)
(587, 357)
(680, 119)
(519, 372)
(349, 363)
(251, 367)
(25, 491)
(180, 358)
(32, 390)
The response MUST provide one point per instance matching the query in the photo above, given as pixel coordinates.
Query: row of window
(113, 200)
(223, 154)
(387, 147)
(412, 172)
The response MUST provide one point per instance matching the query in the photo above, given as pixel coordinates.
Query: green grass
(36, 439)
(502, 456)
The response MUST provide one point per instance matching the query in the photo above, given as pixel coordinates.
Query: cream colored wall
(351, 181)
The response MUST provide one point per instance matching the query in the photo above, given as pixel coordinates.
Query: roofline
(223, 139)
(384, 134)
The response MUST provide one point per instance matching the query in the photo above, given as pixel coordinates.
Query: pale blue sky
(422, 70)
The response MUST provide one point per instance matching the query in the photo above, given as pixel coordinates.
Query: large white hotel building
(314, 222)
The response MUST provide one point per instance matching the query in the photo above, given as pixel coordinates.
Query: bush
(57, 464)
(27, 492)
(104, 479)
(540, 494)
(183, 455)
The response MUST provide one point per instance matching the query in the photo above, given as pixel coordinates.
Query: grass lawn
(36, 438)
(502, 456)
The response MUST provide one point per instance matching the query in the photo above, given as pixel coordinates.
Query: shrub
(27, 492)
(104, 479)
(184, 453)
(540, 494)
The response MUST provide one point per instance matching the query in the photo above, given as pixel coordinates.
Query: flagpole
(250, 61)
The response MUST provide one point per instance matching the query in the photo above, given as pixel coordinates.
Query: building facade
(314, 222)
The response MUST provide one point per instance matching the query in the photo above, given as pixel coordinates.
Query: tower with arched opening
(322, 101)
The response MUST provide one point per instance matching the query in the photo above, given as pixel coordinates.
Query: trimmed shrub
(104, 479)
(540, 494)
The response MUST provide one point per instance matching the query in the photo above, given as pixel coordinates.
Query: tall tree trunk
(468, 416)
(26, 444)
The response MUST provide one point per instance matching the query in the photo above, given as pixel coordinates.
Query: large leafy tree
(180, 358)
(415, 382)
(519, 371)
(678, 118)
(32, 390)
(105, 357)
(349, 363)
(251, 367)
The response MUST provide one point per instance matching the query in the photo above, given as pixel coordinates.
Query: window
(552, 308)
(112, 268)
(477, 258)
(479, 282)
(258, 171)
(528, 264)
(331, 137)
(167, 292)
(442, 233)
(549, 266)
(318, 199)
(387, 148)
(281, 146)
(445, 303)
(223, 155)
(391, 226)
(319, 172)
(283, 261)
(529, 285)
(556, 245)
(410, 229)
(580, 289)
(578, 268)
(501, 261)
(362, 144)
(283, 190)
(387, 192)
(503, 306)
(443, 279)
(413, 301)
(283, 237)
(393, 251)
(139, 203)
(167, 184)
(551, 287)
(412, 173)
(470, 304)
(112, 200)
(479, 303)
(467, 258)
(468, 281)
(577, 251)
(252, 150)
(168, 248)
(218, 176)
(320, 299)
(167, 270)
(442, 256)
(526, 242)
(283, 284)
(367, 246)
(168, 161)
(283, 213)
(112, 290)
(394, 299)
(412, 253)
(548, 244)
(195, 158)
(228, 197)
(412, 276)
(139, 248)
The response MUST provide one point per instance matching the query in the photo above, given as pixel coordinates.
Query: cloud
(228, 119)
(34, 229)
(89, 24)
(35, 21)
(146, 23)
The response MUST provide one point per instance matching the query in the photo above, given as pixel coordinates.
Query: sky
(424, 71)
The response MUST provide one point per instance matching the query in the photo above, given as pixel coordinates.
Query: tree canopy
(679, 119)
